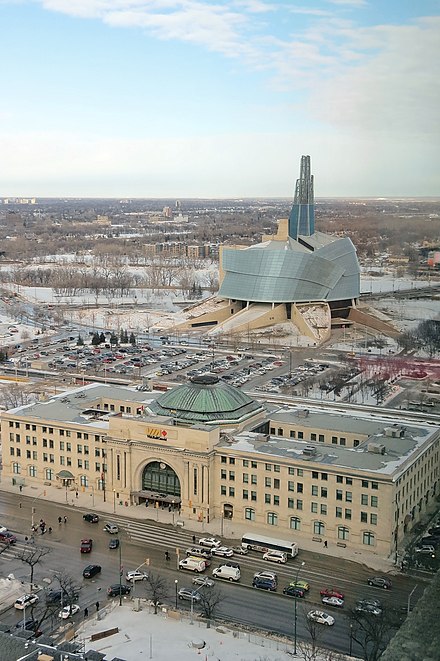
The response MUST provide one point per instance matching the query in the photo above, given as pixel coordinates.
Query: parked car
(203, 581)
(113, 543)
(135, 575)
(111, 528)
(192, 563)
(189, 595)
(425, 550)
(91, 570)
(210, 542)
(369, 606)
(227, 572)
(28, 625)
(380, 582)
(86, 545)
(275, 556)
(116, 590)
(7, 537)
(331, 592)
(91, 518)
(199, 552)
(303, 585)
(292, 591)
(321, 618)
(222, 551)
(25, 601)
(68, 611)
(240, 550)
(3, 529)
(264, 583)
(333, 601)
(267, 575)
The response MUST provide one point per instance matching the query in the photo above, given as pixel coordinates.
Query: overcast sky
(219, 98)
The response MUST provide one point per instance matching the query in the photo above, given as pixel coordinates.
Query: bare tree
(32, 556)
(310, 648)
(157, 589)
(210, 600)
(15, 395)
(373, 632)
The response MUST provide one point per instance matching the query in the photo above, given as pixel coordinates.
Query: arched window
(48, 474)
(249, 514)
(32, 471)
(272, 519)
(369, 538)
(343, 533)
(295, 523)
(318, 528)
(16, 468)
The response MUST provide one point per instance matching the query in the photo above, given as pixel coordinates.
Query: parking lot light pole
(296, 603)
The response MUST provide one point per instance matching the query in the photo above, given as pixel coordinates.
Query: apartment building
(353, 479)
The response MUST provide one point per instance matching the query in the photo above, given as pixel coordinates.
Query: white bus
(257, 542)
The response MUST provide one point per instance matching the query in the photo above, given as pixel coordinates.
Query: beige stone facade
(354, 479)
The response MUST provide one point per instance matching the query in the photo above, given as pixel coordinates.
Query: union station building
(209, 451)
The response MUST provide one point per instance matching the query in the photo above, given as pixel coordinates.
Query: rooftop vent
(303, 413)
(396, 431)
(376, 448)
(309, 450)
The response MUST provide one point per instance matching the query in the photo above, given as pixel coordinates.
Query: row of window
(336, 440)
(343, 533)
(49, 476)
(63, 446)
(63, 461)
(50, 430)
(340, 479)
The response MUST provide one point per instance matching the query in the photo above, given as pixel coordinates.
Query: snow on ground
(145, 635)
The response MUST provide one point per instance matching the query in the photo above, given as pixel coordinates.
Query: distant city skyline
(219, 98)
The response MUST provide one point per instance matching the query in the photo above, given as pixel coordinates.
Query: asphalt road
(147, 540)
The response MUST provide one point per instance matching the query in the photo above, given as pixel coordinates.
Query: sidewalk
(226, 529)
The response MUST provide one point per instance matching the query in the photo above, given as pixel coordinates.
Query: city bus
(257, 542)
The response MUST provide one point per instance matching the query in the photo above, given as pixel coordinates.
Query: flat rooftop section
(79, 405)
(396, 450)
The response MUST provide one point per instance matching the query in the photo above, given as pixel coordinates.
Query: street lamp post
(350, 649)
(408, 609)
(296, 604)
(172, 503)
(114, 501)
(120, 572)
(176, 583)
(93, 495)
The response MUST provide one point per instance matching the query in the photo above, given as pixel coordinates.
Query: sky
(219, 98)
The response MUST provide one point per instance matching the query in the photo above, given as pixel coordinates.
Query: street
(143, 541)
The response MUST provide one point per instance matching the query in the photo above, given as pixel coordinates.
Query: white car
(203, 581)
(269, 575)
(68, 611)
(223, 551)
(111, 528)
(321, 618)
(25, 601)
(333, 601)
(136, 575)
(3, 529)
(275, 556)
(210, 542)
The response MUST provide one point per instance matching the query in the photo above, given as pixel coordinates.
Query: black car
(292, 591)
(116, 590)
(430, 540)
(380, 582)
(28, 625)
(91, 570)
(91, 518)
(59, 596)
(113, 543)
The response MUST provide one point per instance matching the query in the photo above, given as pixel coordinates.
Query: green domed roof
(207, 400)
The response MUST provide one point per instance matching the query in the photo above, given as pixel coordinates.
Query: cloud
(352, 3)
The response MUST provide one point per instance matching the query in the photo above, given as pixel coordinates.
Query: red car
(86, 545)
(332, 592)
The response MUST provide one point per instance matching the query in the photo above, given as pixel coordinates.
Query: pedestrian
(26, 539)
(50, 530)
(97, 606)
(194, 539)
(76, 494)
(60, 520)
(325, 544)
(21, 488)
(167, 556)
(65, 519)
(169, 508)
(86, 612)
